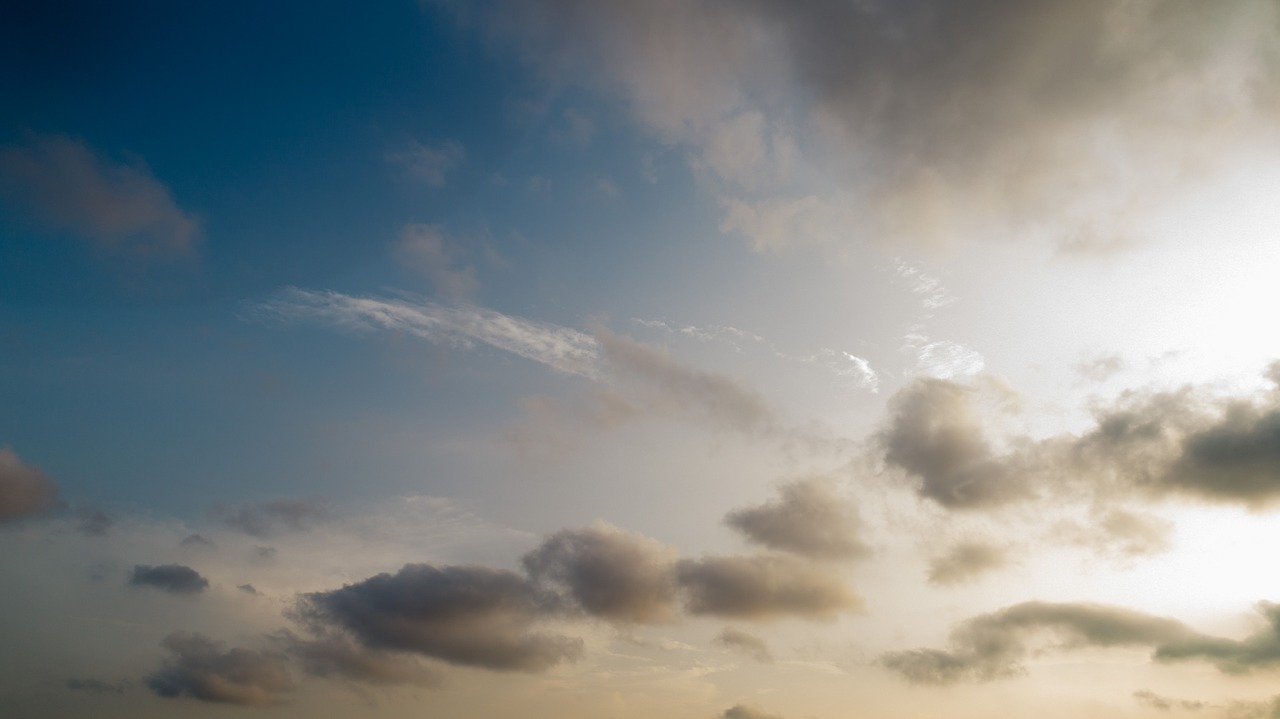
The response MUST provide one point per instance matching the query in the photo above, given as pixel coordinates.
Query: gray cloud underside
(808, 518)
(956, 113)
(1165, 444)
(172, 578)
(965, 562)
(25, 491)
(336, 656)
(745, 643)
(992, 646)
(120, 207)
(200, 669)
(263, 520)
(763, 587)
(609, 573)
(1163, 703)
(746, 711)
(473, 616)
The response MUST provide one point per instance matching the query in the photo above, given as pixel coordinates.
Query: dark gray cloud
(1163, 703)
(466, 615)
(763, 587)
(609, 573)
(196, 540)
(120, 207)
(199, 668)
(269, 518)
(744, 643)
(808, 518)
(338, 656)
(25, 491)
(746, 711)
(94, 522)
(936, 436)
(173, 578)
(992, 646)
(965, 562)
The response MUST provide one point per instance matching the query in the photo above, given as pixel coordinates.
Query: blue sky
(689, 358)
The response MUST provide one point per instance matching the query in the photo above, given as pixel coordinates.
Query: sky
(704, 359)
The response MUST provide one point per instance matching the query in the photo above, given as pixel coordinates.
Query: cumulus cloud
(25, 491)
(744, 643)
(199, 668)
(429, 164)
(808, 518)
(172, 578)
(965, 562)
(120, 207)
(473, 616)
(763, 587)
(425, 249)
(268, 518)
(956, 118)
(609, 573)
(992, 646)
(338, 656)
(936, 436)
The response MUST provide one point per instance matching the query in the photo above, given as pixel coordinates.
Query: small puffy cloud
(965, 562)
(268, 518)
(336, 656)
(429, 164)
(172, 578)
(936, 436)
(120, 207)
(744, 643)
(763, 587)
(1163, 703)
(466, 615)
(199, 668)
(609, 573)
(808, 518)
(25, 491)
(746, 711)
(426, 250)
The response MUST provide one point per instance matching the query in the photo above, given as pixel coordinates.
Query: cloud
(472, 616)
(746, 711)
(935, 435)
(266, 519)
(992, 646)
(25, 491)
(1163, 703)
(971, 118)
(200, 669)
(762, 587)
(609, 573)
(560, 348)
(965, 562)
(807, 519)
(429, 164)
(744, 643)
(96, 686)
(336, 656)
(426, 250)
(119, 207)
(94, 522)
(172, 578)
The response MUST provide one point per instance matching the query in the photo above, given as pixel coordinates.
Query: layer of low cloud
(25, 491)
(747, 711)
(808, 518)
(269, 518)
(744, 643)
(763, 587)
(966, 562)
(172, 578)
(993, 646)
(336, 656)
(121, 208)
(1163, 703)
(199, 668)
